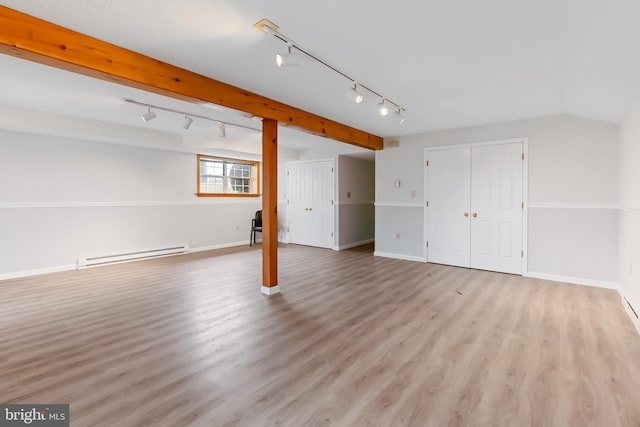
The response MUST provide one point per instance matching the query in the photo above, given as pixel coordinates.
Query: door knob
(475, 215)
(466, 214)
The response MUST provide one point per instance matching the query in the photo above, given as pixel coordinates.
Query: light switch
(397, 183)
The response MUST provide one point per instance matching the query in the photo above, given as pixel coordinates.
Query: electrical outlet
(348, 194)
(397, 235)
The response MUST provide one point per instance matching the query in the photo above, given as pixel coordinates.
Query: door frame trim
(525, 191)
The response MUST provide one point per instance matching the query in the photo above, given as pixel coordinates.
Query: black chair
(256, 226)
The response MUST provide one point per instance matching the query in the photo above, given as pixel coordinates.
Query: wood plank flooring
(353, 340)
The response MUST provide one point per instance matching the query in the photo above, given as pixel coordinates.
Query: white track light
(287, 58)
(353, 93)
(150, 115)
(187, 122)
(188, 118)
(384, 110)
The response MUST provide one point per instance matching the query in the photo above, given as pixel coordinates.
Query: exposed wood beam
(37, 40)
(270, 206)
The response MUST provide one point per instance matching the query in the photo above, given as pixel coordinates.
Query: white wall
(356, 192)
(629, 244)
(110, 188)
(573, 182)
(62, 199)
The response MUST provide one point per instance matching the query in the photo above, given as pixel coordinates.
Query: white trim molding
(355, 244)
(59, 268)
(630, 209)
(270, 291)
(37, 272)
(573, 205)
(573, 280)
(220, 246)
(630, 310)
(354, 203)
(399, 256)
(399, 205)
(133, 204)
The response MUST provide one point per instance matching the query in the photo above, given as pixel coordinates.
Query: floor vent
(129, 256)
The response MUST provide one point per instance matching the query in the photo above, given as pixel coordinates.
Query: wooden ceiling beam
(34, 39)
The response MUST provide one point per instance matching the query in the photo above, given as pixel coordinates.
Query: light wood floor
(354, 340)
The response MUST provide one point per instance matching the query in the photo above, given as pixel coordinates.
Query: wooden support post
(270, 207)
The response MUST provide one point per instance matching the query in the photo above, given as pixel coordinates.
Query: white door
(475, 207)
(298, 202)
(496, 206)
(449, 184)
(310, 198)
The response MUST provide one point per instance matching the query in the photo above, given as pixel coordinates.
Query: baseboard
(632, 312)
(399, 256)
(270, 291)
(221, 246)
(37, 271)
(573, 280)
(59, 268)
(355, 244)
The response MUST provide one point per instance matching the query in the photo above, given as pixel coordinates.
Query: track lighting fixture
(292, 58)
(286, 59)
(384, 110)
(187, 122)
(353, 93)
(149, 115)
(401, 117)
(188, 117)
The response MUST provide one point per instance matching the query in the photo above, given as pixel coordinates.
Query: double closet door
(475, 207)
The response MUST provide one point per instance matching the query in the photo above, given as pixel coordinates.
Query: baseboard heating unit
(130, 256)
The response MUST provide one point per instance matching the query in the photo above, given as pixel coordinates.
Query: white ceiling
(450, 63)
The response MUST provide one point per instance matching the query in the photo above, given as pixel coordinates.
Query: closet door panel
(448, 183)
(496, 206)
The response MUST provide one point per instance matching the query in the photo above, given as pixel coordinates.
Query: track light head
(187, 122)
(286, 59)
(353, 93)
(401, 117)
(223, 130)
(149, 115)
(384, 110)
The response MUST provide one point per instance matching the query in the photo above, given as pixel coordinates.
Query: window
(219, 176)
